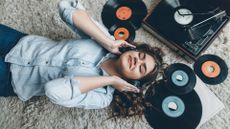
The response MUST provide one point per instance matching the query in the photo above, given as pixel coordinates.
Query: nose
(138, 61)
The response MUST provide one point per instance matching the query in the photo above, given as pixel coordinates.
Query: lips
(132, 62)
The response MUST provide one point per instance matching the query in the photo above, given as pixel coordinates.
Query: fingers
(129, 45)
(117, 44)
(132, 88)
(118, 53)
(126, 44)
(123, 86)
(127, 89)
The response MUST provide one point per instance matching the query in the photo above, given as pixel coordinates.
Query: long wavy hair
(126, 104)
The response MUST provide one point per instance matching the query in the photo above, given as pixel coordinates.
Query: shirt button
(28, 63)
(47, 62)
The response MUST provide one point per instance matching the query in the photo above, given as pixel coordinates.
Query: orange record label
(123, 13)
(121, 34)
(210, 69)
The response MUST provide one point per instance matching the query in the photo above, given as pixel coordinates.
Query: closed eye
(143, 69)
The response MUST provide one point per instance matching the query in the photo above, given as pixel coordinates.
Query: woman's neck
(110, 66)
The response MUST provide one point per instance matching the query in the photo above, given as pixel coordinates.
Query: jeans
(8, 39)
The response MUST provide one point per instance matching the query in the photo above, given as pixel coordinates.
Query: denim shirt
(41, 66)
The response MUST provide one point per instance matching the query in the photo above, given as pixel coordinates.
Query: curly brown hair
(127, 104)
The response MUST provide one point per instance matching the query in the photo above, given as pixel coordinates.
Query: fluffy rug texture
(41, 17)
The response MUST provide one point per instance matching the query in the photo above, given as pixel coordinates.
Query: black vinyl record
(123, 32)
(123, 11)
(211, 69)
(180, 79)
(186, 115)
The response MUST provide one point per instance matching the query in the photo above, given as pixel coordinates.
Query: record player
(188, 26)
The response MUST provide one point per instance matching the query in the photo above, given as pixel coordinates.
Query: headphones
(124, 49)
(136, 83)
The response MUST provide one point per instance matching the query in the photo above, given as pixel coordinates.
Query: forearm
(69, 91)
(82, 21)
(90, 83)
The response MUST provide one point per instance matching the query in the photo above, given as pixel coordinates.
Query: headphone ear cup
(124, 49)
(136, 83)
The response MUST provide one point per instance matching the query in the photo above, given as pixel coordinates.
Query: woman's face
(135, 64)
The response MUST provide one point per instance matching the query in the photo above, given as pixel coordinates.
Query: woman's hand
(122, 85)
(116, 44)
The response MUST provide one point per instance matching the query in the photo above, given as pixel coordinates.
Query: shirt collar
(106, 57)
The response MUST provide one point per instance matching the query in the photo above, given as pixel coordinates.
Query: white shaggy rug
(40, 17)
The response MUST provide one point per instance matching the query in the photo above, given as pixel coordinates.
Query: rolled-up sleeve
(62, 89)
(66, 92)
(66, 9)
(91, 100)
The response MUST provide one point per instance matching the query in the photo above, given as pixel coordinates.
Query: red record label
(123, 13)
